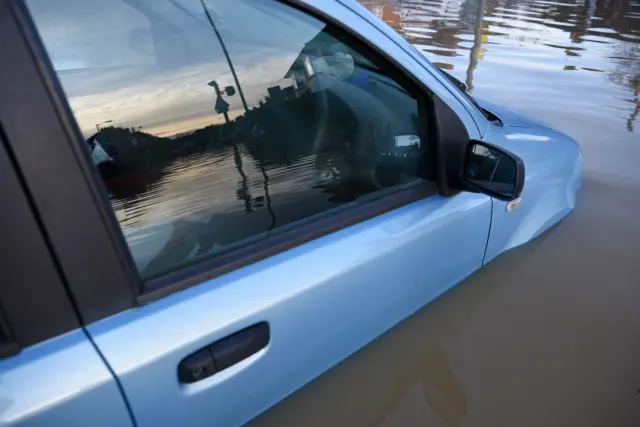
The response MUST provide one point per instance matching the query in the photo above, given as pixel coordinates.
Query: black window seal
(34, 303)
(105, 288)
(43, 137)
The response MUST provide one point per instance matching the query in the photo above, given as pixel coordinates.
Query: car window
(217, 124)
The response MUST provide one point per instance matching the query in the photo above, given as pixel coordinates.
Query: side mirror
(493, 171)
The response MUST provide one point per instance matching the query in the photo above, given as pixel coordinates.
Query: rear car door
(240, 194)
(50, 371)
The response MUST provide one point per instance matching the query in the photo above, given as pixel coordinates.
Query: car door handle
(224, 353)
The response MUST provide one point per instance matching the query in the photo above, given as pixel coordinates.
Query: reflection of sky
(147, 63)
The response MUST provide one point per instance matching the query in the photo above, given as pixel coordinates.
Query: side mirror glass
(493, 171)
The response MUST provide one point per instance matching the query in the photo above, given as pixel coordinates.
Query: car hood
(511, 118)
(535, 142)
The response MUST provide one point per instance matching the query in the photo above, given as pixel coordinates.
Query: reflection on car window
(219, 123)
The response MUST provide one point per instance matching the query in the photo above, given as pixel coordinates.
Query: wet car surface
(546, 334)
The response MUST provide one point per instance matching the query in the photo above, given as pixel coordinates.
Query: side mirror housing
(493, 171)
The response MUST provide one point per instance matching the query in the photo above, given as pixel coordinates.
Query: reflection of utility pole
(222, 107)
(246, 109)
(244, 189)
(583, 20)
(226, 54)
(103, 123)
(477, 44)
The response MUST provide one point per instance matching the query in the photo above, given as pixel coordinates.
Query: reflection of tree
(636, 110)
(272, 133)
(477, 43)
(627, 72)
(634, 113)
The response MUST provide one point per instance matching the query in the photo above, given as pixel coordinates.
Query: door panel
(322, 300)
(50, 372)
(44, 381)
(60, 382)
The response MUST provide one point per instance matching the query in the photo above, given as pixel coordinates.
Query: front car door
(256, 193)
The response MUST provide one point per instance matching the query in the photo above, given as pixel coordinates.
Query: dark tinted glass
(217, 124)
(491, 169)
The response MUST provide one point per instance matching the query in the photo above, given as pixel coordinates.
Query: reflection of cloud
(147, 63)
(168, 102)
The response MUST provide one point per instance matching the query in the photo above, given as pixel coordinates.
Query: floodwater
(549, 334)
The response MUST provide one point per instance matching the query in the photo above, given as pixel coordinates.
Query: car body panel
(323, 301)
(553, 174)
(60, 382)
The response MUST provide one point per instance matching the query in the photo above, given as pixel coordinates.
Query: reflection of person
(340, 65)
(332, 59)
(443, 390)
(360, 118)
(440, 387)
(357, 113)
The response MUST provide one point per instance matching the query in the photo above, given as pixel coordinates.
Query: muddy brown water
(548, 334)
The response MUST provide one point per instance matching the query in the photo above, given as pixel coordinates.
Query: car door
(240, 194)
(50, 371)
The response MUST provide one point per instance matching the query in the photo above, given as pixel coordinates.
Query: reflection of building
(278, 94)
(387, 12)
(99, 154)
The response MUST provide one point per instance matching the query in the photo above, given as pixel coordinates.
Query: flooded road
(548, 334)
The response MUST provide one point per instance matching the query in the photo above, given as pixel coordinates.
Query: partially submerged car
(342, 184)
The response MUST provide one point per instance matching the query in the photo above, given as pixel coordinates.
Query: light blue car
(208, 204)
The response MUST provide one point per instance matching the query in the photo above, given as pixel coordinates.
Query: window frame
(66, 195)
(106, 264)
(34, 302)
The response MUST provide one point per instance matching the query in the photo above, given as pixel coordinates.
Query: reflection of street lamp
(224, 108)
(103, 123)
(226, 54)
